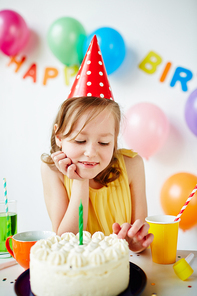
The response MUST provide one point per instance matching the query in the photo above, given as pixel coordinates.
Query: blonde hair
(70, 111)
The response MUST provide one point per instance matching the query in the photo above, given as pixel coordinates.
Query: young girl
(86, 165)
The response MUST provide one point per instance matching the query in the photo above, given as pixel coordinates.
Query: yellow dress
(108, 204)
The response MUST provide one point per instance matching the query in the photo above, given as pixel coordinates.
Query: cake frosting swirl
(60, 266)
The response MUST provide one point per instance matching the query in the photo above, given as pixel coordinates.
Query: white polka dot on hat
(91, 79)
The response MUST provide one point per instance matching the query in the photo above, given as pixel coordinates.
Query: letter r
(183, 79)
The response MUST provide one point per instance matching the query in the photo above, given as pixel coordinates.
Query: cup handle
(7, 244)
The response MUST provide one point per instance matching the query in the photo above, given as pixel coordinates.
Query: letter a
(31, 72)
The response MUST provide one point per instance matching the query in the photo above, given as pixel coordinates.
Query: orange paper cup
(165, 231)
(22, 243)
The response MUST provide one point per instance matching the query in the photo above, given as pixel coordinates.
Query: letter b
(150, 63)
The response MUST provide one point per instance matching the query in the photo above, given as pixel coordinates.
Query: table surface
(161, 279)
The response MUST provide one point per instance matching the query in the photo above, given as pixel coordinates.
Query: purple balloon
(14, 32)
(191, 112)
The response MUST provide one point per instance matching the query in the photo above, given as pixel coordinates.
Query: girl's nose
(90, 150)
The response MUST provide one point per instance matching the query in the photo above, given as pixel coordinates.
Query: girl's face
(92, 149)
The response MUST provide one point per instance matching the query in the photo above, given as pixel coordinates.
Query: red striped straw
(186, 203)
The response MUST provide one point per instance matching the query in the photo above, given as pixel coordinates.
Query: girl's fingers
(57, 156)
(61, 161)
(65, 165)
(138, 229)
(116, 228)
(64, 162)
(148, 240)
(124, 230)
(137, 234)
(71, 172)
(143, 231)
(56, 153)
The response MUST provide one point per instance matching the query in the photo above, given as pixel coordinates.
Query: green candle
(81, 223)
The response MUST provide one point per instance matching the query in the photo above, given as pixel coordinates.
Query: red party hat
(91, 79)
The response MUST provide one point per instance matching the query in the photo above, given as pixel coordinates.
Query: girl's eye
(103, 144)
(80, 142)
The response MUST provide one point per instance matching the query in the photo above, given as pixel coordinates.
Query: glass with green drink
(8, 222)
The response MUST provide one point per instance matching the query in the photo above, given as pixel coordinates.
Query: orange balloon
(174, 194)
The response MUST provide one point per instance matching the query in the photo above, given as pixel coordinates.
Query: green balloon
(65, 39)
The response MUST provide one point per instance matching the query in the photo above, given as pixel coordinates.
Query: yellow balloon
(174, 194)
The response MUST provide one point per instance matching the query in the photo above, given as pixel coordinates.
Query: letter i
(165, 72)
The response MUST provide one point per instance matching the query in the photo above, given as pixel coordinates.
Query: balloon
(191, 112)
(65, 39)
(112, 47)
(146, 129)
(14, 32)
(174, 194)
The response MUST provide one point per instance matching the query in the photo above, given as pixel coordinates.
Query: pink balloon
(146, 129)
(14, 32)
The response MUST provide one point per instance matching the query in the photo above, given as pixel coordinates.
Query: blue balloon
(112, 47)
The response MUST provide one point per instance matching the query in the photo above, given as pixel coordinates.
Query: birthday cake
(60, 266)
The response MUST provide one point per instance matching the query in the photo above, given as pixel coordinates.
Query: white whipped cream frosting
(76, 260)
(96, 250)
(42, 254)
(57, 258)
(67, 236)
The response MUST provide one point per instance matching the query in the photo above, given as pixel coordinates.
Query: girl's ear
(57, 137)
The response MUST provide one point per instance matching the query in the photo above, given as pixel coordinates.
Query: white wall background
(28, 109)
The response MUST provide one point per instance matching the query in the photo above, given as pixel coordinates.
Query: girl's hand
(65, 165)
(136, 235)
